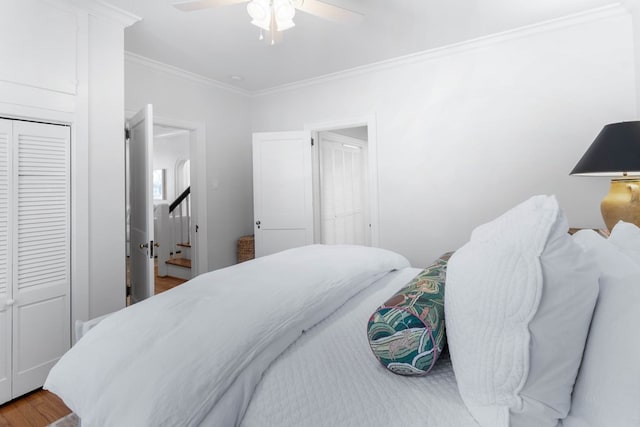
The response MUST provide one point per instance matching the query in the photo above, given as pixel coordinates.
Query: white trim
(197, 159)
(631, 4)
(80, 187)
(616, 9)
(171, 134)
(106, 10)
(98, 8)
(44, 97)
(372, 144)
(179, 72)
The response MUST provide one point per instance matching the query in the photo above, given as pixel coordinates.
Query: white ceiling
(220, 42)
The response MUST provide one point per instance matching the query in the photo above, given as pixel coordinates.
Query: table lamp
(616, 152)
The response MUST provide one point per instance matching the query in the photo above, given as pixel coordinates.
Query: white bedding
(329, 377)
(198, 350)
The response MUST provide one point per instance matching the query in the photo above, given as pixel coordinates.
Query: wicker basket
(246, 249)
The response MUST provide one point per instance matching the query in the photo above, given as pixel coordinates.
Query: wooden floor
(165, 283)
(36, 409)
(40, 408)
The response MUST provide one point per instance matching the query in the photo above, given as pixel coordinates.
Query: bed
(283, 340)
(337, 382)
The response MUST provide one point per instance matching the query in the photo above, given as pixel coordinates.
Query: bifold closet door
(41, 237)
(343, 188)
(6, 300)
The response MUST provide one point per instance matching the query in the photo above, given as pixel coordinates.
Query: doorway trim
(372, 142)
(197, 137)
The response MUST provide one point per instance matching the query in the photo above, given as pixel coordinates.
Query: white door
(41, 251)
(141, 240)
(6, 294)
(343, 190)
(282, 191)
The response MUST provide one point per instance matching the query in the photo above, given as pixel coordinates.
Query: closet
(34, 253)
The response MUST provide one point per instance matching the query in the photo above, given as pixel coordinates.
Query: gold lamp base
(622, 202)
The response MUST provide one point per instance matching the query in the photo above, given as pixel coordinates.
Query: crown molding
(617, 9)
(631, 4)
(179, 72)
(107, 10)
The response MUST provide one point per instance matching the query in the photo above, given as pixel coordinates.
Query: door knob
(144, 245)
(258, 223)
(10, 302)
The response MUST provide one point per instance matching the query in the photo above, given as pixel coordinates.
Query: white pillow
(607, 390)
(518, 302)
(626, 236)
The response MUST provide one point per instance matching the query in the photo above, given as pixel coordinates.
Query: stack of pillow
(532, 311)
(607, 390)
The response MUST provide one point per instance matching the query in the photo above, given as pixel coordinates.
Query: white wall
(634, 8)
(228, 157)
(64, 64)
(464, 135)
(106, 168)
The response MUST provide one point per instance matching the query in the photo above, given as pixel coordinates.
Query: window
(160, 184)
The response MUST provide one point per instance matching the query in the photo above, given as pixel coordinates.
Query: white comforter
(199, 350)
(330, 377)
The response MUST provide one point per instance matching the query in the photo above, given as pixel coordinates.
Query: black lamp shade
(615, 152)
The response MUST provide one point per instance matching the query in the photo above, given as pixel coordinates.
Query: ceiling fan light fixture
(283, 11)
(265, 25)
(260, 13)
(272, 15)
(284, 25)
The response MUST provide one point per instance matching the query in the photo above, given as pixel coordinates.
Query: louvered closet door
(5, 259)
(41, 282)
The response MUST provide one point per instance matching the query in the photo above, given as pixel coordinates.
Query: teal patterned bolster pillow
(406, 333)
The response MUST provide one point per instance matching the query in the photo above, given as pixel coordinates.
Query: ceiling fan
(277, 15)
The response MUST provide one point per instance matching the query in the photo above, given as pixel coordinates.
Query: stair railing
(163, 236)
(173, 226)
(182, 202)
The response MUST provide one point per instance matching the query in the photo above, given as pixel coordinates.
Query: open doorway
(354, 142)
(173, 204)
(172, 207)
(315, 186)
(341, 187)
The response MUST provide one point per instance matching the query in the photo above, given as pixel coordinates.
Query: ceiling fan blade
(328, 11)
(189, 5)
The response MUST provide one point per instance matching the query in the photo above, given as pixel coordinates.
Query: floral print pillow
(406, 333)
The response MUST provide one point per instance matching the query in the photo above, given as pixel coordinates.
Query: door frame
(197, 156)
(372, 143)
(319, 180)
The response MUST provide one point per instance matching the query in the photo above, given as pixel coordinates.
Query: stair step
(184, 245)
(180, 262)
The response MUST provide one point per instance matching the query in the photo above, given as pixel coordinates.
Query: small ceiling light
(237, 78)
